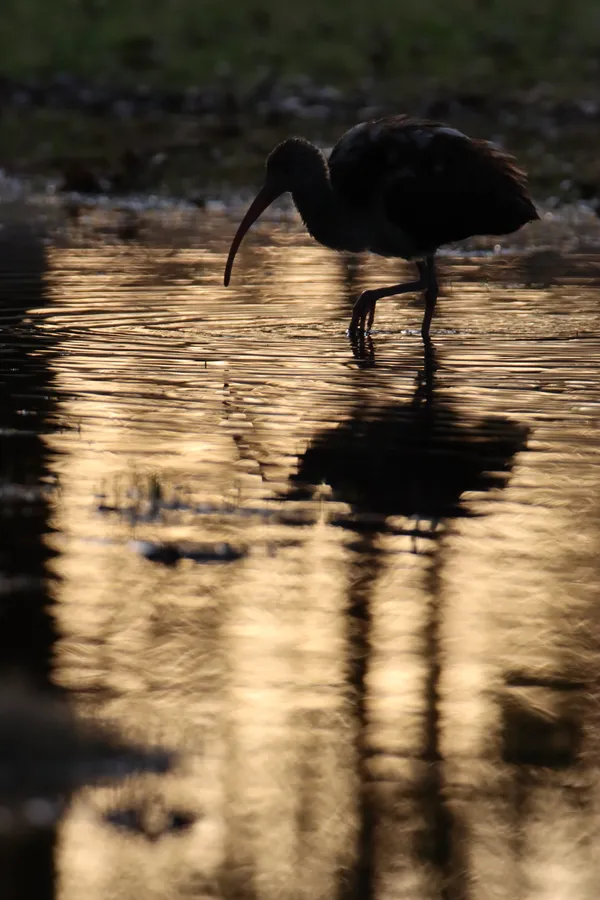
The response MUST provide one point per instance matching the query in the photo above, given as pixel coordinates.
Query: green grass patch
(510, 43)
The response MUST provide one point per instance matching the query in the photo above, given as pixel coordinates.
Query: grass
(510, 43)
(411, 50)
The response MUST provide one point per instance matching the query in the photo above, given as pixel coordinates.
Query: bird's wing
(430, 181)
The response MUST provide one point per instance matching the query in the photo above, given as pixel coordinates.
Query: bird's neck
(326, 217)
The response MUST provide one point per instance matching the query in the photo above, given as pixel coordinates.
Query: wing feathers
(431, 181)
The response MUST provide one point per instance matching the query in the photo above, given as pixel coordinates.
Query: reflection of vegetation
(183, 41)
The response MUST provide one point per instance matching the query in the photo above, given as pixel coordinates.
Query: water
(354, 588)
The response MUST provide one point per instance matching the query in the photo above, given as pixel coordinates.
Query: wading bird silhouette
(397, 187)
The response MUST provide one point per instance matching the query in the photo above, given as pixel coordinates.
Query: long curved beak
(264, 198)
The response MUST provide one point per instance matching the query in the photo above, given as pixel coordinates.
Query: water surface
(355, 587)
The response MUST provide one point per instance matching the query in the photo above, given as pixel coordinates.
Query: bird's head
(291, 164)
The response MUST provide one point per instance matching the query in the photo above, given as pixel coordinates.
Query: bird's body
(397, 187)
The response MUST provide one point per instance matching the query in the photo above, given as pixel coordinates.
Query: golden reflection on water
(391, 693)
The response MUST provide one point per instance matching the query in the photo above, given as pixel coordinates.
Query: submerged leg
(431, 294)
(364, 308)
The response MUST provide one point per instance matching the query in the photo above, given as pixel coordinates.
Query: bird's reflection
(415, 460)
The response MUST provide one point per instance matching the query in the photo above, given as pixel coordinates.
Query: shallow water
(354, 587)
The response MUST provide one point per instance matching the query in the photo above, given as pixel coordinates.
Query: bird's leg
(427, 271)
(364, 308)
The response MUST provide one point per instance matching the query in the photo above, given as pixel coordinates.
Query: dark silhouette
(398, 187)
(26, 409)
(27, 631)
(415, 460)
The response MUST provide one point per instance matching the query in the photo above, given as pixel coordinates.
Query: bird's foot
(363, 313)
(362, 348)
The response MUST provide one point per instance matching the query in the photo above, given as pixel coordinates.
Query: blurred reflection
(46, 754)
(149, 817)
(390, 691)
(26, 628)
(26, 410)
(417, 462)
